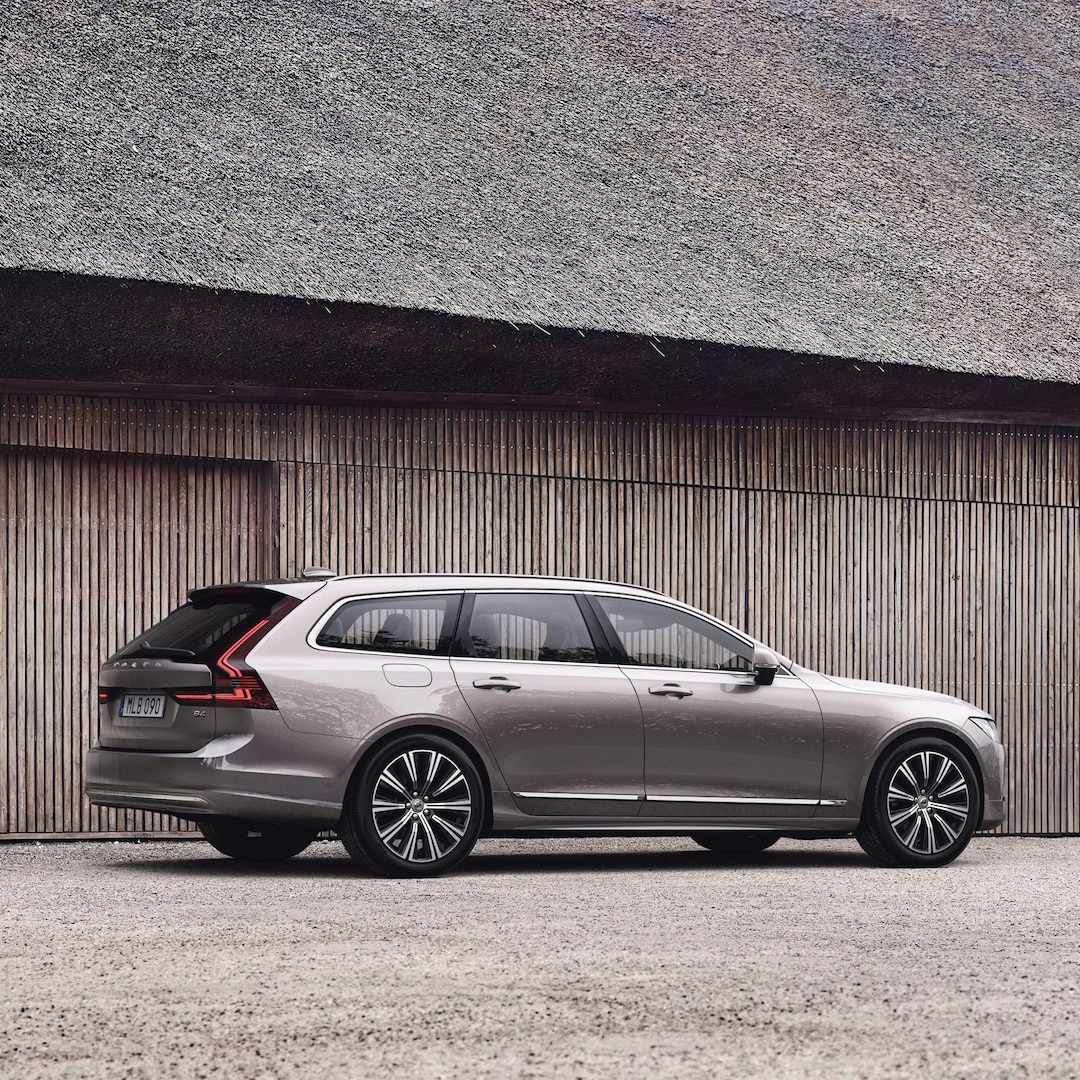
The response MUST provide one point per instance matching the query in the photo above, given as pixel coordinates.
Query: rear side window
(529, 626)
(198, 630)
(421, 625)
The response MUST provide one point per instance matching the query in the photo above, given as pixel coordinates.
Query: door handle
(671, 689)
(496, 682)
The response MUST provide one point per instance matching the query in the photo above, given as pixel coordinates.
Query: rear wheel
(252, 841)
(415, 808)
(922, 805)
(735, 843)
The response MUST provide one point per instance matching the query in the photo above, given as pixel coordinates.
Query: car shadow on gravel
(631, 862)
(482, 863)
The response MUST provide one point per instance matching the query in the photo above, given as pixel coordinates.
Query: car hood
(866, 686)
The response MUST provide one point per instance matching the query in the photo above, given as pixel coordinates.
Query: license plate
(142, 706)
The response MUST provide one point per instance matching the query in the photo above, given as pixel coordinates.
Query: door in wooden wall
(95, 548)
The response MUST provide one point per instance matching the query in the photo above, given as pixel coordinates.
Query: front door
(717, 743)
(564, 726)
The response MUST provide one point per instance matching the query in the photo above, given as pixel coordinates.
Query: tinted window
(529, 626)
(401, 624)
(661, 636)
(197, 628)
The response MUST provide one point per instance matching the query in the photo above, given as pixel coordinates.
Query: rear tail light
(104, 695)
(236, 685)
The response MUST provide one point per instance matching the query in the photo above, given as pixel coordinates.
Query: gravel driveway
(570, 958)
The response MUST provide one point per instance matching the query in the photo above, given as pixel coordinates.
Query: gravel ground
(570, 958)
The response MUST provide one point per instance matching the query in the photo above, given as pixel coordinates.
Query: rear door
(560, 716)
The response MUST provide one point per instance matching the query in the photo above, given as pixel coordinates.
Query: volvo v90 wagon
(413, 714)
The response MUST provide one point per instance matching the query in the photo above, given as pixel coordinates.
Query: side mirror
(766, 664)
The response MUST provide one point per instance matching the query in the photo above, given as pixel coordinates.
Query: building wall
(939, 555)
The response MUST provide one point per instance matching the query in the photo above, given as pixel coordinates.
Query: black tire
(252, 841)
(735, 843)
(922, 804)
(414, 809)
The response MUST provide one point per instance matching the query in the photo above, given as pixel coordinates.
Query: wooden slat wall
(99, 547)
(938, 555)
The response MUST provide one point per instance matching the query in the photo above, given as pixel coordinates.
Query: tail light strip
(235, 684)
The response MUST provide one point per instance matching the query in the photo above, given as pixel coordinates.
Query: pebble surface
(544, 958)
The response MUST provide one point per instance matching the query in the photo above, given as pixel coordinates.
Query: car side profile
(414, 714)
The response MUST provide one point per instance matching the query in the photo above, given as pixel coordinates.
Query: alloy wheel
(421, 805)
(929, 802)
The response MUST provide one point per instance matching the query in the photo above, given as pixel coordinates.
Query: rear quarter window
(419, 625)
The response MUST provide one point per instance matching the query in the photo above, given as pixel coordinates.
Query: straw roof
(893, 180)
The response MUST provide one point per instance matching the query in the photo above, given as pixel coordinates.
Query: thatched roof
(892, 180)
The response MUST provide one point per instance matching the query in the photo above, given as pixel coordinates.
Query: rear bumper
(213, 781)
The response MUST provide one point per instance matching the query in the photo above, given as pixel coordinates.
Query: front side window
(529, 626)
(660, 636)
(399, 624)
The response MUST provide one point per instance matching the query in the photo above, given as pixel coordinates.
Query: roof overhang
(104, 336)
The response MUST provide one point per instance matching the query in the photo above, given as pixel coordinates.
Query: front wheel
(922, 804)
(735, 843)
(250, 841)
(415, 808)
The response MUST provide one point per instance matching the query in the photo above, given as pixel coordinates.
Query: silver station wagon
(413, 714)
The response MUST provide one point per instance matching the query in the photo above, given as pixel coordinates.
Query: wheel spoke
(410, 768)
(903, 815)
(388, 833)
(455, 777)
(909, 840)
(449, 826)
(905, 771)
(410, 845)
(931, 836)
(392, 781)
(924, 762)
(460, 805)
(947, 829)
(436, 851)
(382, 805)
(943, 770)
(944, 808)
(960, 785)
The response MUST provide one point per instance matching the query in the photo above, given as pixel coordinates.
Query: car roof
(433, 581)
(377, 582)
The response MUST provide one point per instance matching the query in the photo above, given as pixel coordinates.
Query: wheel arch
(426, 727)
(920, 729)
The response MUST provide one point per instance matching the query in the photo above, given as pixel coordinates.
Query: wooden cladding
(935, 555)
(903, 459)
(99, 547)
